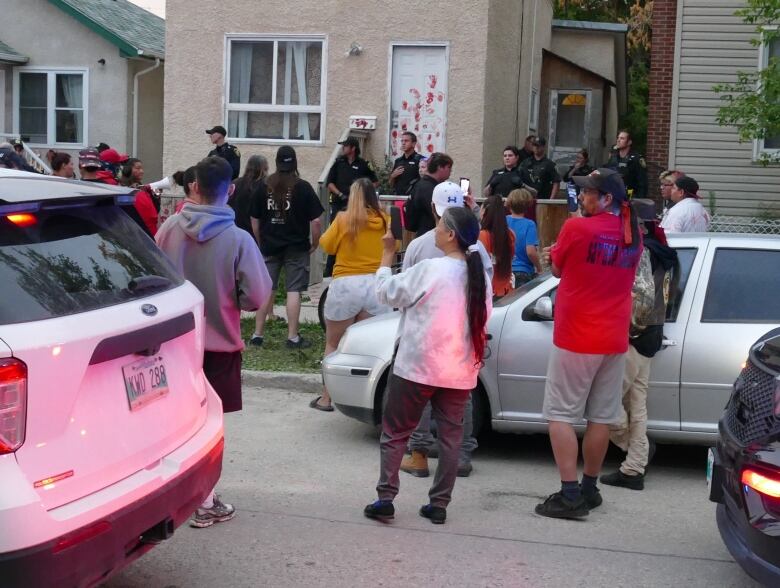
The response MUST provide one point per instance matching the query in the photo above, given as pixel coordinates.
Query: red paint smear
(432, 80)
(403, 126)
(440, 97)
(417, 116)
(429, 148)
(405, 105)
(395, 133)
(415, 92)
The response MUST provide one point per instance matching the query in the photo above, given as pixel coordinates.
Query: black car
(746, 465)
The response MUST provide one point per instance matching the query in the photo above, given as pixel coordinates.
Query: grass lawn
(274, 356)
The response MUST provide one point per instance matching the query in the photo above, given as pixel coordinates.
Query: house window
(533, 117)
(50, 106)
(276, 89)
(769, 145)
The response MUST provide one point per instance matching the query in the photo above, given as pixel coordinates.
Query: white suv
(110, 435)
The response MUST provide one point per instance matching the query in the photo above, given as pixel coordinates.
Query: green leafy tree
(752, 103)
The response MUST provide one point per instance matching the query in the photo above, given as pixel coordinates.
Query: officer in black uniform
(505, 179)
(223, 149)
(540, 172)
(630, 165)
(406, 169)
(347, 168)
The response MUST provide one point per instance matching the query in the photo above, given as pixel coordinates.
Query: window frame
(228, 106)
(763, 60)
(533, 114)
(51, 104)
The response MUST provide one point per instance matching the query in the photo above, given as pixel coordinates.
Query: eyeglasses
(667, 184)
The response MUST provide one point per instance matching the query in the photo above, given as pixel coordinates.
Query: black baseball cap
(286, 160)
(218, 129)
(606, 181)
(539, 141)
(350, 141)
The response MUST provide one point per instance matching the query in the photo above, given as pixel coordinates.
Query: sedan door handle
(668, 343)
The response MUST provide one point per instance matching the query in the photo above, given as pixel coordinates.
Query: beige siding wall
(714, 45)
(52, 38)
(195, 67)
(590, 49)
(150, 118)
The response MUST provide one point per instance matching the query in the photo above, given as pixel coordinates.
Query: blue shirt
(525, 234)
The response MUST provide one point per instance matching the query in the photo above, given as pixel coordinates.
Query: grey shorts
(584, 385)
(296, 269)
(350, 295)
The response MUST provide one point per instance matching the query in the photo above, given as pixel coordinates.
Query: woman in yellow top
(355, 238)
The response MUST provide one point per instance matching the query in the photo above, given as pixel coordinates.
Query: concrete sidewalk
(308, 307)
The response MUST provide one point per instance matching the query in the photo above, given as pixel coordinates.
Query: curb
(309, 383)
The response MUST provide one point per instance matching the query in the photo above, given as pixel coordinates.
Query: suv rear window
(73, 260)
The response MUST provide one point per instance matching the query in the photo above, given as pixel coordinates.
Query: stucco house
(74, 73)
(696, 45)
(465, 75)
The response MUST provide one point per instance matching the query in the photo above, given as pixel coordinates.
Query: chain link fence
(744, 224)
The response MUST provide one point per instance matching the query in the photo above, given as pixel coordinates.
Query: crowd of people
(232, 235)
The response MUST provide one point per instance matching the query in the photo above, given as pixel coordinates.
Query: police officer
(630, 165)
(406, 169)
(347, 168)
(223, 149)
(505, 179)
(540, 172)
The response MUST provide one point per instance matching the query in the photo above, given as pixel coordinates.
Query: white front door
(418, 97)
(569, 129)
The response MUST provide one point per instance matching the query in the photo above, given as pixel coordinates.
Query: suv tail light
(13, 404)
(762, 482)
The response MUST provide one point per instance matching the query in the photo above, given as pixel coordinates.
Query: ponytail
(476, 309)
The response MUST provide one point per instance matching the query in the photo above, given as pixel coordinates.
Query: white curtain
(298, 58)
(72, 86)
(240, 85)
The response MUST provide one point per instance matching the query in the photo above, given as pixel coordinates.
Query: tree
(752, 103)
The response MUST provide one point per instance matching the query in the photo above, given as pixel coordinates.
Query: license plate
(710, 467)
(145, 381)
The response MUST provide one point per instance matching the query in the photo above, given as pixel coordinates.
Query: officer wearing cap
(540, 172)
(347, 168)
(630, 165)
(224, 149)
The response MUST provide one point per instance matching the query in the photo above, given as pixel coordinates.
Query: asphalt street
(300, 478)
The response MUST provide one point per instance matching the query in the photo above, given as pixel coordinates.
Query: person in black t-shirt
(406, 169)
(249, 187)
(417, 210)
(507, 178)
(540, 172)
(283, 222)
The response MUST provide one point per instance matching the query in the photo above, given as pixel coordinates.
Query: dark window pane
(685, 258)
(744, 286)
(570, 120)
(70, 125)
(32, 124)
(274, 125)
(74, 260)
(32, 90)
(70, 91)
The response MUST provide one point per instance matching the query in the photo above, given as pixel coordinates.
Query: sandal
(315, 404)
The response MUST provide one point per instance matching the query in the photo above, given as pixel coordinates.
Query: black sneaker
(557, 506)
(622, 480)
(381, 510)
(593, 498)
(465, 469)
(436, 514)
(256, 341)
(301, 343)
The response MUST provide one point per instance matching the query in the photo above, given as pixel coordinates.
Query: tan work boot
(416, 464)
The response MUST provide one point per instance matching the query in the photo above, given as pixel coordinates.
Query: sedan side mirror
(541, 310)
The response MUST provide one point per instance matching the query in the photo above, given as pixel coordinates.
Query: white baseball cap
(447, 195)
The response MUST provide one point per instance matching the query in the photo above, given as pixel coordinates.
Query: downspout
(135, 102)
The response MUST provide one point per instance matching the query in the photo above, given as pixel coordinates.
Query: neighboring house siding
(51, 38)
(714, 45)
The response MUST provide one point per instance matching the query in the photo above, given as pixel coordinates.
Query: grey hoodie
(223, 262)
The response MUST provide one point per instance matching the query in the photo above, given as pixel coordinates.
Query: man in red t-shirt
(596, 257)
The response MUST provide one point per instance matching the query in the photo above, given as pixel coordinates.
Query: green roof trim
(10, 55)
(135, 31)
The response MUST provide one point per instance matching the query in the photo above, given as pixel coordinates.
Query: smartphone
(465, 183)
(395, 222)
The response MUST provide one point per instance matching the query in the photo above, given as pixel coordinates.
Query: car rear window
(743, 287)
(71, 260)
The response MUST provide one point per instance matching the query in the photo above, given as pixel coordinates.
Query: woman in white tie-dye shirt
(445, 303)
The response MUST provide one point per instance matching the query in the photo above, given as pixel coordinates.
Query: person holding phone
(355, 238)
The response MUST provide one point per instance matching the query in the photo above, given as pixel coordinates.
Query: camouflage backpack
(642, 293)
